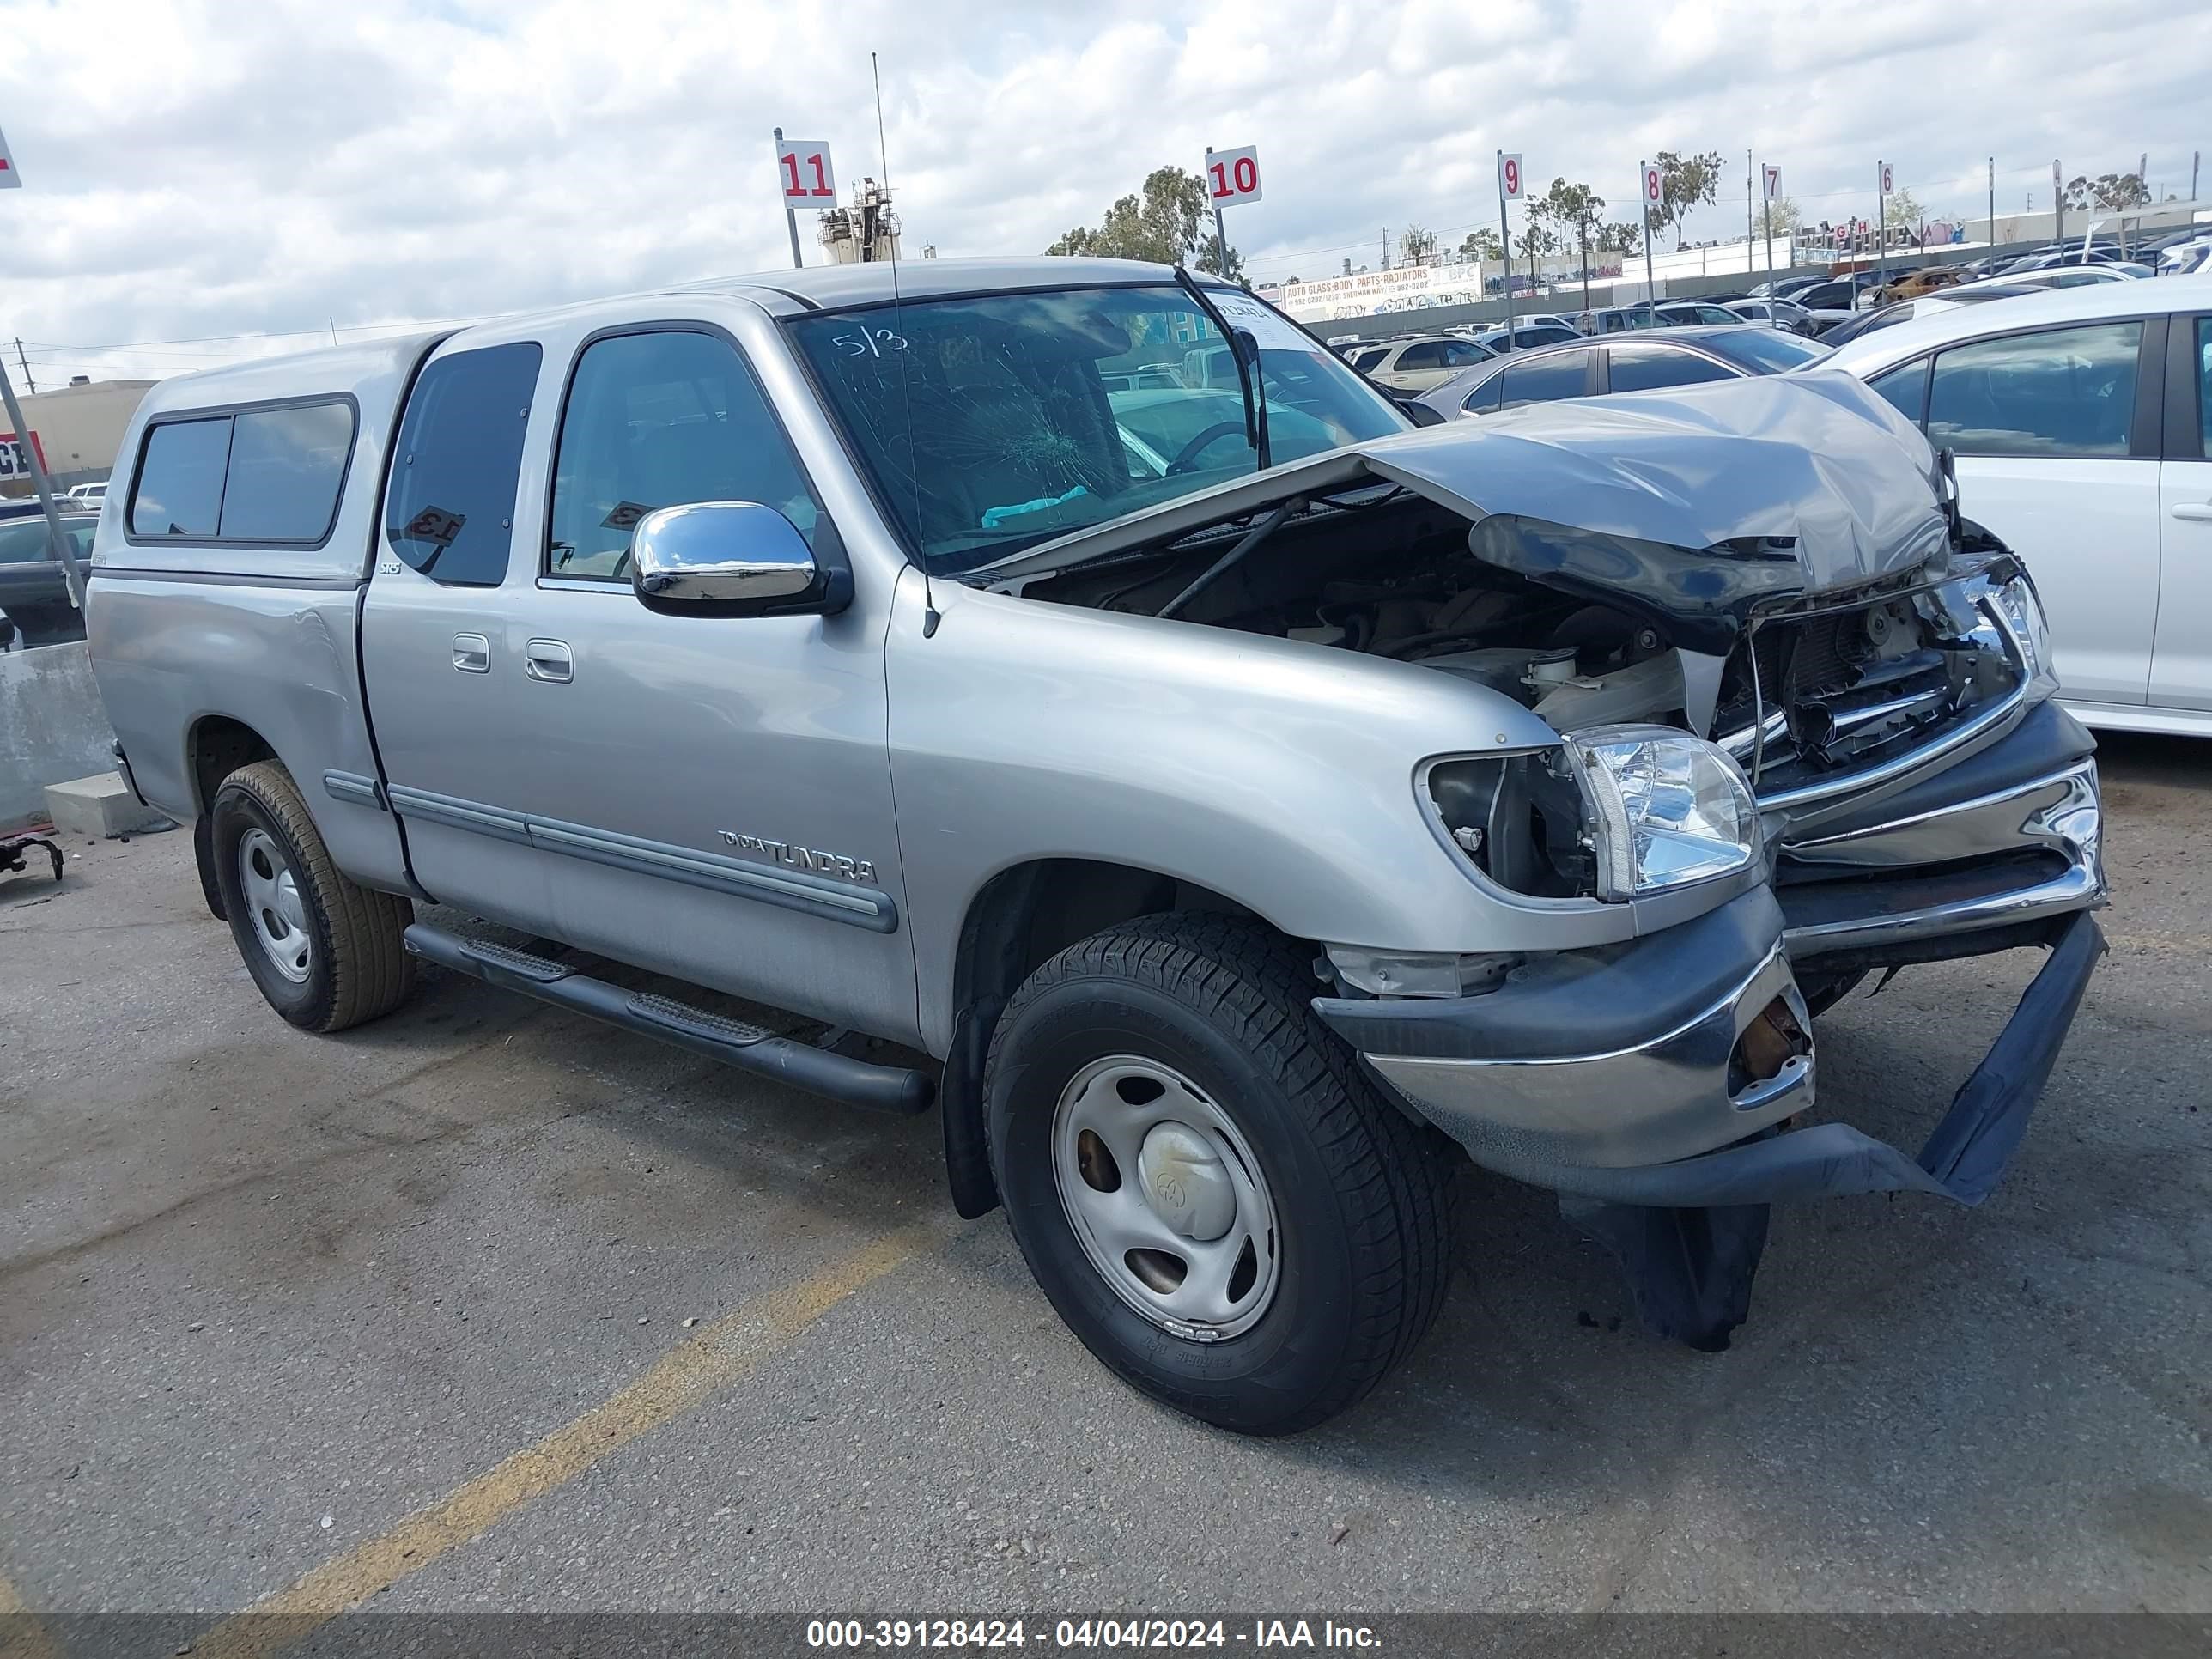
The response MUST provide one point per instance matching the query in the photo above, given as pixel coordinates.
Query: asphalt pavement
(485, 1308)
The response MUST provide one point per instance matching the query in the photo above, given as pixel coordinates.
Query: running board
(802, 1066)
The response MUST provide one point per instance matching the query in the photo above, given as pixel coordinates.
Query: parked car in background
(2185, 258)
(34, 587)
(1776, 313)
(1688, 313)
(1664, 357)
(92, 495)
(2079, 419)
(1526, 335)
(1930, 305)
(1912, 285)
(1417, 364)
(1615, 319)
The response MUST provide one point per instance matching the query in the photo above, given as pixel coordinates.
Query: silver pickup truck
(1230, 803)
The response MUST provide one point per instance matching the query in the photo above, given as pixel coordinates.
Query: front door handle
(2194, 512)
(472, 653)
(551, 660)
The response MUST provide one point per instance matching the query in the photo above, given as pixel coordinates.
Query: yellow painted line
(22, 1635)
(722, 1353)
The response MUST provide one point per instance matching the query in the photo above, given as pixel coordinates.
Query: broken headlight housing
(2023, 615)
(1664, 808)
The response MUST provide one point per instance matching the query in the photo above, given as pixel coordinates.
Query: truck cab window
(662, 419)
(450, 510)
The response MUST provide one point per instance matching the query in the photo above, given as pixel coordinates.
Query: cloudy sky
(208, 177)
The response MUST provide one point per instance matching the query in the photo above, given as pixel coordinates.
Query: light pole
(791, 223)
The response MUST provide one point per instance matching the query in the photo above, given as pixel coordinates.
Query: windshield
(991, 423)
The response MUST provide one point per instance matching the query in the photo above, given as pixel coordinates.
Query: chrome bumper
(2032, 854)
(1606, 1059)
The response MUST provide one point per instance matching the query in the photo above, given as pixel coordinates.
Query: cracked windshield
(993, 423)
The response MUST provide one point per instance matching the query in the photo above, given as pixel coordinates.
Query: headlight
(1665, 809)
(2023, 615)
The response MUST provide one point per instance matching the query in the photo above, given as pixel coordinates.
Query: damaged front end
(1805, 733)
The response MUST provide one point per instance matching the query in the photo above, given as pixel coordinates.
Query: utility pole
(1881, 228)
(1749, 235)
(1993, 201)
(1505, 249)
(64, 554)
(791, 223)
(2195, 156)
(26, 362)
(1220, 235)
(1650, 284)
(2058, 202)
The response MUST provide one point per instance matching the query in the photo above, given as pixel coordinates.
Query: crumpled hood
(1816, 457)
(1675, 489)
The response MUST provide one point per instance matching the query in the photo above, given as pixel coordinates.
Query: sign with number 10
(804, 173)
(1233, 175)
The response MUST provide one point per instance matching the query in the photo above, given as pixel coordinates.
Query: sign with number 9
(1509, 177)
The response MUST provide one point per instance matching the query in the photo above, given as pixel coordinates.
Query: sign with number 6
(1509, 177)
(1888, 180)
(804, 173)
(1233, 175)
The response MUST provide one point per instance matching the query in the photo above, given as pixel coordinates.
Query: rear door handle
(472, 653)
(2195, 512)
(551, 660)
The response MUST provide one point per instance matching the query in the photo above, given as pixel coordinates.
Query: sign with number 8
(804, 173)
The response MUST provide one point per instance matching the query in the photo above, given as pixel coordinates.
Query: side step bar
(802, 1066)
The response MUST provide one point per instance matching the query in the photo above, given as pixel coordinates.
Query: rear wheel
(325, 952)
(1214, 1196)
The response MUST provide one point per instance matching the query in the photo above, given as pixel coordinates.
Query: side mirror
(735, 559)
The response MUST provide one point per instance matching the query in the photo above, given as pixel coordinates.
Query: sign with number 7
(804, 174)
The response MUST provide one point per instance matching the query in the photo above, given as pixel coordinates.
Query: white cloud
(205, 169)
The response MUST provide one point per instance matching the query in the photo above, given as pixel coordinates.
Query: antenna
(930, 617)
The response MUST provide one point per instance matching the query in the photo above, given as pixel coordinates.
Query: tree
(1620, 237)
(1210, 260)
(1570, 214)
(1783, 216)
(2110, 192)
(1481, 244)
(1685, 182)
(1416, 246)
(1161, 225)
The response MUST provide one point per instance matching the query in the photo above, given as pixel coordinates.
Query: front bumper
(1648, 1073)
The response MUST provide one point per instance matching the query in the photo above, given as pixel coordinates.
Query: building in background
(79, 428)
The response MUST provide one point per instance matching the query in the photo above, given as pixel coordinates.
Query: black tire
(204, 858)
(1363, 1194)
(358, 969)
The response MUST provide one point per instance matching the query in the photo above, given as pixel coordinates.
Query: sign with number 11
(804, 173)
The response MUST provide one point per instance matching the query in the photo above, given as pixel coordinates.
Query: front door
(2181, 667)
(2051, 459)
(703, 797)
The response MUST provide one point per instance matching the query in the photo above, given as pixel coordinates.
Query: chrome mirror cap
(720, 553)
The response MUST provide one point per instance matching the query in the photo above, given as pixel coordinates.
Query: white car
(2079, 421)
(92, 495)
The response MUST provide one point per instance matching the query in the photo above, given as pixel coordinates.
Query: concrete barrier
(52, 727)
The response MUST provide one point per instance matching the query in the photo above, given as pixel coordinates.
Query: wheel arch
(1019, 919)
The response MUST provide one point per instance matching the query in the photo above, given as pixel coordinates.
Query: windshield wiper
(1249, 378)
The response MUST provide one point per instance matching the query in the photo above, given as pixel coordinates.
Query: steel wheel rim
(1177, 1160)
(273, 909)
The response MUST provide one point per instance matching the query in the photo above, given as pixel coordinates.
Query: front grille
(1848, 692)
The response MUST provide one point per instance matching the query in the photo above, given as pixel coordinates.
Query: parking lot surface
(407, 1314)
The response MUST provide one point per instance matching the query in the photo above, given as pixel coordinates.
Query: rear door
(2056, 432)
(1647, 366)
(2181, 663)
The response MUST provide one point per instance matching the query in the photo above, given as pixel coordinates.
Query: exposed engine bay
(1724, 642)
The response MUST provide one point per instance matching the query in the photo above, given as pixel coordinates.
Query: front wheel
(325, 952)
(1218, 1199)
